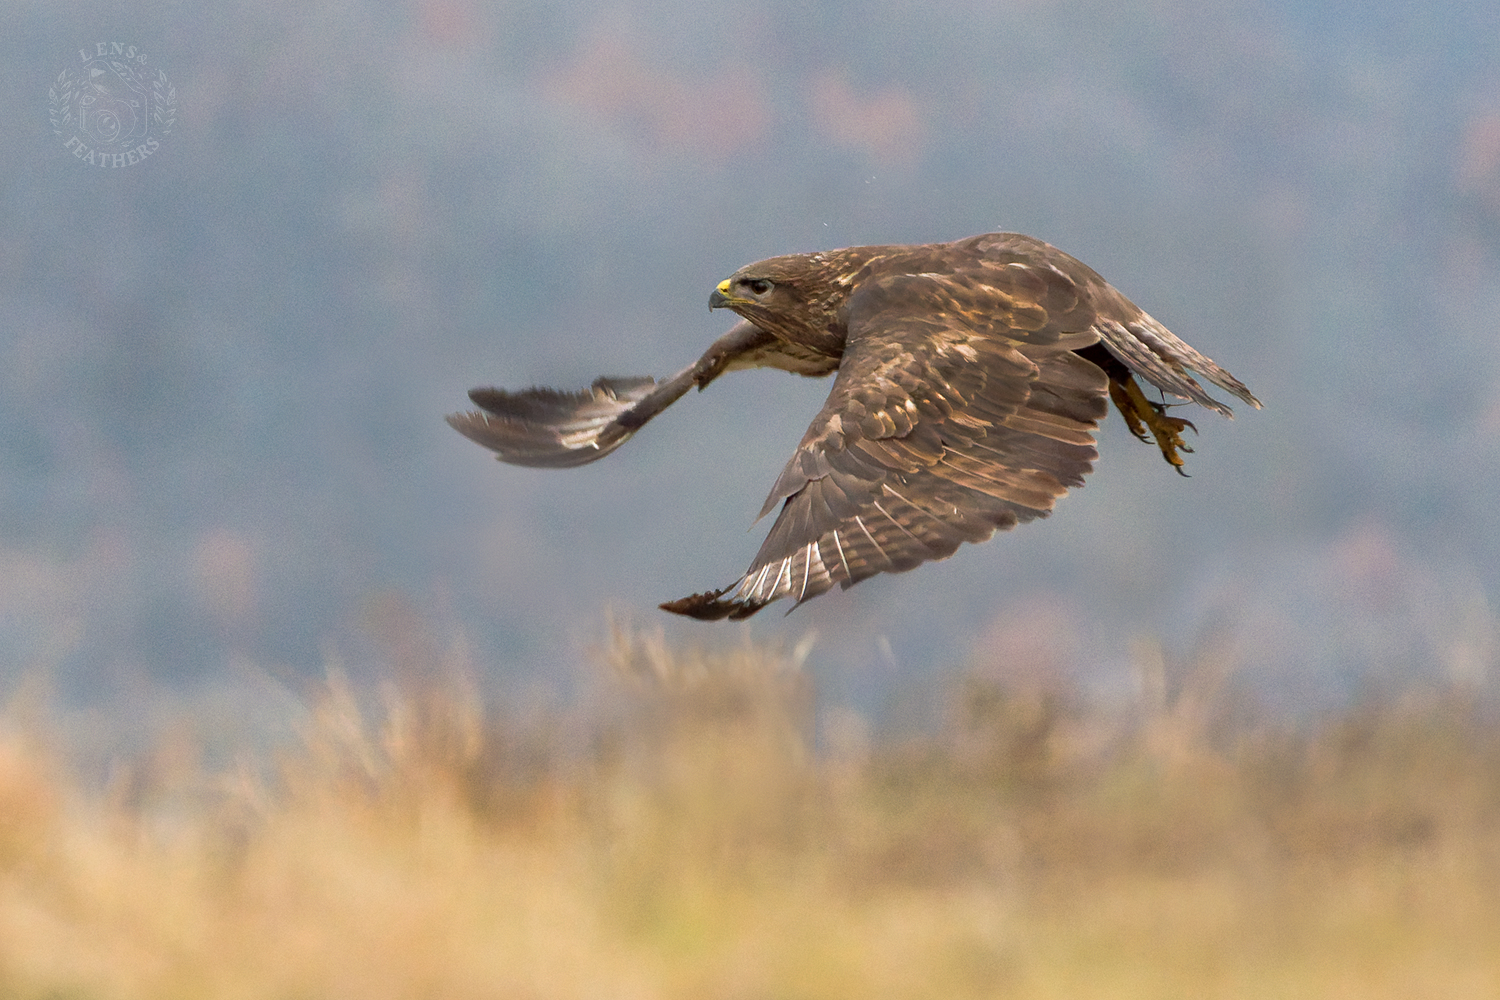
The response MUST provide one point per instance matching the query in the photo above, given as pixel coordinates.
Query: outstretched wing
(959, 409)
(550, 428)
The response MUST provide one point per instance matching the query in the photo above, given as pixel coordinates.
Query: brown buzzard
(970, 378)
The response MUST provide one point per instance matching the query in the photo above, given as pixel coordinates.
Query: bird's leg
(1142, 414)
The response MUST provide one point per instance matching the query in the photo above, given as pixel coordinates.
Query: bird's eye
(757, 286)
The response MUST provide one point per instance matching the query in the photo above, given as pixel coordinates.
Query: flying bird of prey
(970, 379)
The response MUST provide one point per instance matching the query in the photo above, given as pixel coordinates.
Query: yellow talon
(1142, 414)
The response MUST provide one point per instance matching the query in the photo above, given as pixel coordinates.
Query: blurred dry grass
(684, 835)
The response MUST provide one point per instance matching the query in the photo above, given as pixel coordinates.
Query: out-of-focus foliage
(695, 828)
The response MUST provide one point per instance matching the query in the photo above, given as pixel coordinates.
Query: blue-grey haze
(223, 371)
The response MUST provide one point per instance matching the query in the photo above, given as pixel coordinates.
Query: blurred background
(223, 371)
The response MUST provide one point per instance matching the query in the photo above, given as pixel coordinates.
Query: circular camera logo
(112, 108)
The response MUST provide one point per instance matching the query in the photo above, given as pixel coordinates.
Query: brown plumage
(971, 377)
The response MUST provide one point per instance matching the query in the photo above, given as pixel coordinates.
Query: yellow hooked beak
(721, 299)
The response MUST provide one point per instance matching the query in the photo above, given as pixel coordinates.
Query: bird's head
(793, 296)
(768, 291)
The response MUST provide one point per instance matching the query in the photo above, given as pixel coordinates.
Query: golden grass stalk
(690, 838)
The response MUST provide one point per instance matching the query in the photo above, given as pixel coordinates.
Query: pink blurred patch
(449, 24)
(226, 576)
(1477, 172)
(710, 117)
(1031, 643)
(887, 126)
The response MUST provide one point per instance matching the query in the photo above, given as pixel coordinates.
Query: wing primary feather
(842, 558)
(860, 521)
(897, 523)
(750, 584)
